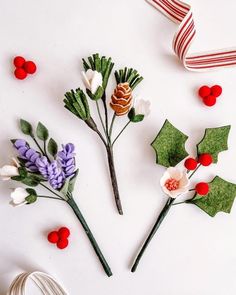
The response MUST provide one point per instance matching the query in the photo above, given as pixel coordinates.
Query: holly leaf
(215, 140)
(169, 145)
(219, 199)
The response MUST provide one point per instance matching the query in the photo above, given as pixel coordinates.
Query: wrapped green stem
(157, 224)
(89, 234)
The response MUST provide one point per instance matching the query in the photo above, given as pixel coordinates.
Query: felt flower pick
(7, 171)
(52, 169)
(95, 77)
(213, 197)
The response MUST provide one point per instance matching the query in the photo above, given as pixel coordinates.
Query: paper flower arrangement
(53, 169)
(213, 197)
(96, 74)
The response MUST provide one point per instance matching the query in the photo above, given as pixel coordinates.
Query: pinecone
(121, 99)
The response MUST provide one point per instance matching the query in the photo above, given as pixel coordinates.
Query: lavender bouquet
(96, 74)
(48, 167)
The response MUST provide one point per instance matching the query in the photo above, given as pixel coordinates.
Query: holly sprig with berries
(216, 196)
(96, 74)
(54, 170)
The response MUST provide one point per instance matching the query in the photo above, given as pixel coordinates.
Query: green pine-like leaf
(42, 132)
(219, 199)
(52, 147)
(26, 127)
(169, 145)
(215, 140)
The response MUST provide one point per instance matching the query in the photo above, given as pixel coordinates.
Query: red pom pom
(202, 188)
(62, 243)
(20, 73)
(205, 159)
(204, 91)
(210, 100)
(216, 90)
(53, 237)
(30, 67)
(190, 164)
(63, 232)
(19, 61)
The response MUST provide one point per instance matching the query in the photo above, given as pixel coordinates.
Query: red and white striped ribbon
(181, 13)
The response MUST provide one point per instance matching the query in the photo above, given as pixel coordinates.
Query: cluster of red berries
(209, 94)
(23, 67)
(60, 237)
(202, 188)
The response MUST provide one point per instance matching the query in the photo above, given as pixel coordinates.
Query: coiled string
(45, 283)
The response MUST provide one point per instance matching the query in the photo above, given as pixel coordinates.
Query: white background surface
(192, 253)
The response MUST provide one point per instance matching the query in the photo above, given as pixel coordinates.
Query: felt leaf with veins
(215, 140)
(219, 199)
(169, 145)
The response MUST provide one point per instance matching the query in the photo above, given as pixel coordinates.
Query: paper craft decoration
(181, 13)
(44, 282)
(49, 167)
(216, 196)
(96, 74)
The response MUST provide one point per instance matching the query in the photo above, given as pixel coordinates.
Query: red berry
(205, 159)
(216, 90)
(20, 73)
(190, 164)
(53, 237)
(209, 101)
(62, 243)
(202, 188)
(204, 91)
(30, 67)
(19, 61)
(63, 232)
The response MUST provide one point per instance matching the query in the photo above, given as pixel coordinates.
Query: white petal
(142, 107)
(7, 171)
(18, 196)
(184, 181)
(85, 80)
(164, 178)
(175, 173)
(90, 74)
(96, 82)
(15, 162)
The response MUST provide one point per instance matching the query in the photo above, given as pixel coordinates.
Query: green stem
(90, 236)
(122, 130)
(100, 117)
(47, 197)
(158, 222)
(179, 203)
(111, 126)
(50, 190)
(105, 110)
(39, 147)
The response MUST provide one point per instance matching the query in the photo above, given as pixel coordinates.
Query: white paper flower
(174, 182)
(7, 171)
(142, 107)
(18, 197)
(92, 80)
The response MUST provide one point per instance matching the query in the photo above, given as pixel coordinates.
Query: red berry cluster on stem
(23, 67)
(60, 237)
(209, 94)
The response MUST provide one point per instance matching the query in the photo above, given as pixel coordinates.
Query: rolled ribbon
(180, 13)
(46, 284)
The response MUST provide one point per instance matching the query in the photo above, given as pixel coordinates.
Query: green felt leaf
(52, 147)
(31, 181)
(220, 197)
(65, 188)
(42, 132)
(31, 199)
(169, 145)
(215, 140)
(73, 181)
(133, 117)
(26, 127)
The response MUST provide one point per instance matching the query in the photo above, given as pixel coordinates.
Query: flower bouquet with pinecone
(97, 71)
(216, 196)
(47, 167)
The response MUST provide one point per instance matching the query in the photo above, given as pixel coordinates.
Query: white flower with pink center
(174, 182)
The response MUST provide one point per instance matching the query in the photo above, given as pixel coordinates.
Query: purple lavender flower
(66, 158)
(51, 171)
(28, 154)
